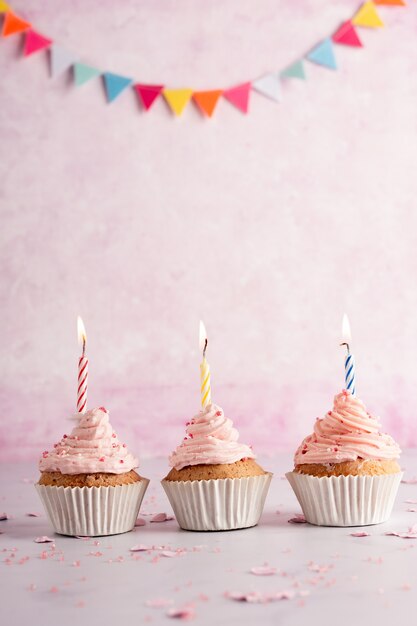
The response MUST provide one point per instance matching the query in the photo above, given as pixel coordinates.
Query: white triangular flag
(269, 86)
(61, 60)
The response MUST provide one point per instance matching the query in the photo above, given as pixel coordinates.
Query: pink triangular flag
(34, 42)
(239, 96)
(148, 94)
(347, 35)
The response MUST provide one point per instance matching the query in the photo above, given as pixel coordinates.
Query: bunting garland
(268, 85)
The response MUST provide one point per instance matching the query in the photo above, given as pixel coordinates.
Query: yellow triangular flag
(177, 99)
(4, 7)
(367, 16)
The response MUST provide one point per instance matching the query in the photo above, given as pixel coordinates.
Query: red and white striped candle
(82, 369)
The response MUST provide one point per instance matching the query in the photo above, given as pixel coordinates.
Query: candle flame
(203, 336)
(82, 336)
(346, 334)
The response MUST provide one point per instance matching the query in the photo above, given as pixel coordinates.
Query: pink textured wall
(268, 226)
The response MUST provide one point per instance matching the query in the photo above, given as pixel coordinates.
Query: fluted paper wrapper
(345, 500)
(222, 504)
(93, 511)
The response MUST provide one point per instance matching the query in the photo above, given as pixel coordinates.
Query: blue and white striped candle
(350, 382)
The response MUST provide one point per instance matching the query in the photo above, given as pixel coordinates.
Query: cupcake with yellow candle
(215, 482)
(88, 482)
(346, 472)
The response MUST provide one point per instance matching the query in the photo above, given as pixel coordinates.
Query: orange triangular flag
(398, 3)
(13, 24)
(207, 100)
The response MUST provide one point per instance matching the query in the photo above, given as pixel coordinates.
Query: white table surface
(101, 582)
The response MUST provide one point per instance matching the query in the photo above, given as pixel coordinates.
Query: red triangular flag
(347, 35)
(148, 94)
(239, 96)
(13, 24)
(35, 42)
(207, 100)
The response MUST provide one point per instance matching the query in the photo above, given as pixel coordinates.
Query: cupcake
(346, 472)
(215, 482)
(88, 484)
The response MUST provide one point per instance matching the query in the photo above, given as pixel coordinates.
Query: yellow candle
(204, 369)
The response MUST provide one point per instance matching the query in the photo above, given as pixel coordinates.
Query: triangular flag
(84, 73)
(323, 55)
(392, 3)
(4, 7)
(239, 96)
(13, 24)
(148, 94)
(207, 100)
(367, 16)
(177, 99)
(115, 84)
(296, 70)
(269, 86)
(61, 60)
(347, 35)
(34, 42)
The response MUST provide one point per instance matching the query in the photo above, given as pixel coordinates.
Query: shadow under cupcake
(215, 482)
(346, 472)
(88, 483)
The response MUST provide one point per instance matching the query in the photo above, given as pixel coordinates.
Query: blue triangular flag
(296, 70)
(61, 60)
(323, 54)
(115, 84)
(84, 73)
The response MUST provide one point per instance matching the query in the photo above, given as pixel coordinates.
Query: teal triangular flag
(115, 84)
(296, 70)
(84, 73)
(323, 55)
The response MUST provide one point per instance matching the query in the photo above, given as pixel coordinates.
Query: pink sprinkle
(64, 436)
(298, 519)
(102, 408)
(4, 517)
(410, 481)
(162, 517)
(121, 461)
(218, 413)
(361, 533)
(263, 570)
(170, 553)
(140, 522)
(76, 563)
(54, 590)
(114, 435)
(185, 613)
(124, 445)
(34, 514)
(43, 539)
(80, 604)
(140, 547)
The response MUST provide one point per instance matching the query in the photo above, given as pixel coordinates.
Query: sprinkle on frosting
(211, 440)
(346, 433)
(91, 447)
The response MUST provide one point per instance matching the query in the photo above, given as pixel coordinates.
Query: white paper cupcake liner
(218, 504)
(93, 511)
(345, 500)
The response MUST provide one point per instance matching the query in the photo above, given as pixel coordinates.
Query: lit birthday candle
(82, 369)
(350, 381)
(204, 369)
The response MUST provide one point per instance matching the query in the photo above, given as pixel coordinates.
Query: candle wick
(347, 346)
(83, 346)
(205, 348)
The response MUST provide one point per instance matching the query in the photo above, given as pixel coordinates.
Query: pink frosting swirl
(91, 447)
(211, 439)
(346, 433)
